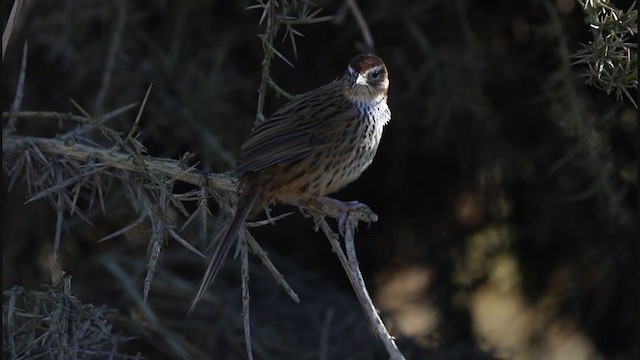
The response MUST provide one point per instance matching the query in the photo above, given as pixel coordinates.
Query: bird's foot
(339, 209)
(344, 207)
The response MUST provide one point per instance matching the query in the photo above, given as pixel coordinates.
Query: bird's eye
(375, 74)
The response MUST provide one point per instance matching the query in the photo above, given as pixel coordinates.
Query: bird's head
(366, 78)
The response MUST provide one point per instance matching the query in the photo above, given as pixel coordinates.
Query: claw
(345, 207)
(302, 206)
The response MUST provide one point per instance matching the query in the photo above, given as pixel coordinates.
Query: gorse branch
(589, 150)
(63, 327)
(611, 58)
(275, 15)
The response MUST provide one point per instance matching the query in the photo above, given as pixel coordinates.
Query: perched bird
(313, 146)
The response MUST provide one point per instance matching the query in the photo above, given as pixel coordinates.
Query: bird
(313, 146)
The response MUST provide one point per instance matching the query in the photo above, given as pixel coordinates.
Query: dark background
(506, 189)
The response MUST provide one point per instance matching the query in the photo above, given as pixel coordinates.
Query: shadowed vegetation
(506, 184)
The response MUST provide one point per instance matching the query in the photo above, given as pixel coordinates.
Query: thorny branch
(245, 294)
(155, 205)
(274, 15)
(171, 169)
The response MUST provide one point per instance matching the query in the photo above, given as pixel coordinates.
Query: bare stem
(17, 101)
(257, 249)
(246, 299)
(8, 29)
(362, 24)
(363, 295)
(111, 56)
(352, 270)
(267, 46)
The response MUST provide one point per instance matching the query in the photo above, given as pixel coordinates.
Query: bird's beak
(361, 80)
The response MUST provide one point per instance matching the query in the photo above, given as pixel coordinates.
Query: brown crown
(362, 63)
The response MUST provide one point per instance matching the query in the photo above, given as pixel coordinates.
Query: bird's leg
(344, 207)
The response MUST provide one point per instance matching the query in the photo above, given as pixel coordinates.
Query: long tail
(246, 202)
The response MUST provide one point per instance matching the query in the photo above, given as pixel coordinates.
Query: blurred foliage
(507, 189)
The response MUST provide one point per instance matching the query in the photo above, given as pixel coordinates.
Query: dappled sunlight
(403, 295)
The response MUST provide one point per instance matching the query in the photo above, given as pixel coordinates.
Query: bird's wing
(291, 133)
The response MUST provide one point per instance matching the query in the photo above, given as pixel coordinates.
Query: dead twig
(114, 47)
(246, 299)
(17, 101)
(362, 24)
(11, 23)
(352, 270)
(257, 249)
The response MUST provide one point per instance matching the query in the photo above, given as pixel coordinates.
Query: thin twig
(257, 249)
(184, 243)
(134, 128)
(324, 337)
(354, 275)
(62, 184)
(280, 91)
(11, 22)
(17, 101)
(124, 279)
(267, 46)
(362, 24)
(88, 124)
(111, 56)
(55, 262)
(269, 221)
(365, 299)
(10, 318)
(246, 299)
(125, 229)
(201, 209)
(157, 238)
